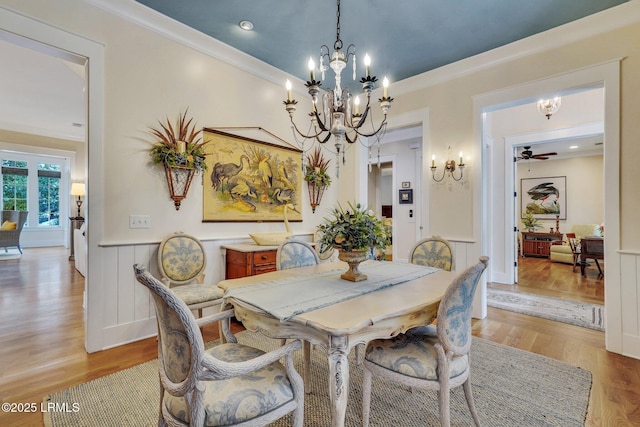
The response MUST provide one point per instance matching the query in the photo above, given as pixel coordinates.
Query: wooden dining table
(339, 327)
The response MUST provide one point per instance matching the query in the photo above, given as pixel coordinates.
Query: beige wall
(585, 191)
(451, 119)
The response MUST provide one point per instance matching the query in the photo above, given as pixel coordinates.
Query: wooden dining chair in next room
(427, 361)
(228, 385)
(182, 261)
(433, 252)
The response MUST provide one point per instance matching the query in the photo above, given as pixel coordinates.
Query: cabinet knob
(264, 257)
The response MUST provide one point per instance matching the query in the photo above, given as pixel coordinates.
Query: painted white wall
(404, 167)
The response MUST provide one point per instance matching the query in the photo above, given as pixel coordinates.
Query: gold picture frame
(250, 180)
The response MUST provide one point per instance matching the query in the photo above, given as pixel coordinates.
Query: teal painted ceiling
(403, 37)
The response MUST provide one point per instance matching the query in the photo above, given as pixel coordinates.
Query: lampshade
(77, 189)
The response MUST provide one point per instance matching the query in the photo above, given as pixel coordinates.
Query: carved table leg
(338, 379)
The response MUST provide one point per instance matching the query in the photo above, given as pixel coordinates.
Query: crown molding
(158, 23)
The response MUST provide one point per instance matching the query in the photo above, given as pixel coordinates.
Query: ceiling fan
(527, 154)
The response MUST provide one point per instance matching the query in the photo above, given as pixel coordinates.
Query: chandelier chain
(338, 44)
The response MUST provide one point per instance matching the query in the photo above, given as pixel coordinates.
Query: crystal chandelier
(549, 106)
(338, 114)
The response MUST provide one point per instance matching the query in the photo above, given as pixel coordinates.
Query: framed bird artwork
(250, 180)
(545, 198)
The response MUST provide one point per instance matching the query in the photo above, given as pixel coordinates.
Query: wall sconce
(77, 189)
(449, 166)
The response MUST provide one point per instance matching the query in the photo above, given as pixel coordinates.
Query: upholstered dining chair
(294, 253)
(433, 252)
(424, 360)
(11, 228)
(228, 385)
(182, 261)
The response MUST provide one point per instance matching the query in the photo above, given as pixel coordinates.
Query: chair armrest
(205, 320)
(218, 369)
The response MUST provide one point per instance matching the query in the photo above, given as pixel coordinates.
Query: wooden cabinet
(538, 244)
(248, 260)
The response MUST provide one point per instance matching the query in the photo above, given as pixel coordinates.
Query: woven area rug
(511, 388)
(561, 310)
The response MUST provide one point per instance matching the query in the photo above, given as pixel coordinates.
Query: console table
(538, 244)
(244, 260)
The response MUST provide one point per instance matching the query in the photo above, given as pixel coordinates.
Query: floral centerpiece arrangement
(354, 232)
(530, 222)
(317, 176)
(181, 151)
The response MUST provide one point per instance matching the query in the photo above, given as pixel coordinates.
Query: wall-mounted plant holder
(179, 179)
(317, 177)
(181, 151)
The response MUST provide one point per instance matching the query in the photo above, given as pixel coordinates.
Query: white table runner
(290, 296)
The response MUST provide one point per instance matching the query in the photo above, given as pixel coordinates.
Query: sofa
(10, 229)
(561, 251)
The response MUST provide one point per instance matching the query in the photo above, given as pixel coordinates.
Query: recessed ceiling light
(246, 25)
(573, 147)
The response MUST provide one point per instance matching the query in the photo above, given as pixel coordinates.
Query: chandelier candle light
(339, 115)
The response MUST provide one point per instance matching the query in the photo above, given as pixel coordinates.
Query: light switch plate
(139, 221)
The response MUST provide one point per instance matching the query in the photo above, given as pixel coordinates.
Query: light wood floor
(42, 336)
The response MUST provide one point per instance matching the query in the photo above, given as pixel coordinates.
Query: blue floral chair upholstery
(228, 385)
(294, 253)
(422, 359)
(182, 261)
(433, 252)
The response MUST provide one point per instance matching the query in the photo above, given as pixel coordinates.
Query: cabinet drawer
(264, 258)
(264, 268)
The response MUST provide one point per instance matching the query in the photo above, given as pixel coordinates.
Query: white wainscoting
(128, 312)
(629, 303)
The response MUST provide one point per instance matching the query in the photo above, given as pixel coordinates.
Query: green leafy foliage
(167, 150)
(316, 169)
(352, 229)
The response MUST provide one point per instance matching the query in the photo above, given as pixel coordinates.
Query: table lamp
(77, 189)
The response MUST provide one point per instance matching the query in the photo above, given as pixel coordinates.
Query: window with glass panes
(48, 194)
(14, 185)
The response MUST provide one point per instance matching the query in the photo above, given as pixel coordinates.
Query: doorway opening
(495, 200)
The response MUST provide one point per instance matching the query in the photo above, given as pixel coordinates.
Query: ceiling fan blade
(546, 154)
(539, 157)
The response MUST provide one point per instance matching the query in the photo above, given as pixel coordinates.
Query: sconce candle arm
(449, 166)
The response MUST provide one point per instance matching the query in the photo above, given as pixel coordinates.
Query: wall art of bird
(282, 195)
(265, 171)
(242, 189)
(542, 192)
(283, 176)
(224, 171)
